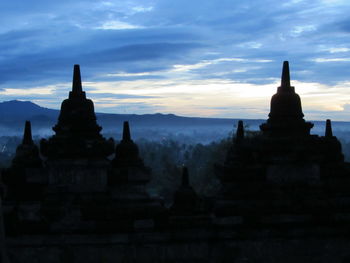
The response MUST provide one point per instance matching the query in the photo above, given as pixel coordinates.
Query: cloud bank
(195, 58)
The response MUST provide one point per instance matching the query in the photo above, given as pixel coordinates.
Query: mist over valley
(153, 127)
(165, 131)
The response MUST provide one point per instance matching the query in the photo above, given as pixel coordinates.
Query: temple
(77, 135)
(20, 177)
(186, 200)
(27, 153)
(283, 161)
(127, 152)
(284, 195)
(286, 115)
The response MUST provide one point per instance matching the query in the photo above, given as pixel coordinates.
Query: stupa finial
(27, 135)
(328, 132)
(126, 131)
(76, 85)
(285, 79)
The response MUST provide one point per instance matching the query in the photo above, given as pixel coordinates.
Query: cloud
(116, 25)
(126, 74)
(56, 64)
(21, 92)
(298, 30)
(114, 96)
(142, 9)
(164, 47)
(339, 50)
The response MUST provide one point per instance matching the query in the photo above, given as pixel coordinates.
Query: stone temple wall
(180, 246)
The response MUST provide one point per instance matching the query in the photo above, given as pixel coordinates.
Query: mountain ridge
(14, 113)
(27, 110)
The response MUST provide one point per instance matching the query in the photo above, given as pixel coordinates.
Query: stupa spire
(328, 132)
(185, 178)
(240, 131)
(77, 90)
(285, 79)
(27, 135)
(126, 131)
(76, 87)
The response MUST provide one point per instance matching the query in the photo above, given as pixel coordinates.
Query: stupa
(283, 165)
(286, 115)
(21, 178)
(285, 195)
(77, 135)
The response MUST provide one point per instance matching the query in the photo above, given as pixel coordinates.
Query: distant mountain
(152, 126)
(15, 111)
(24, 110)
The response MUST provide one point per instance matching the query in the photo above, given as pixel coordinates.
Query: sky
(207, 58)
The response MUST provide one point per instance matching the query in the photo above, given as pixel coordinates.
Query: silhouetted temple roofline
(27, 135)
(328, 132)
(185, 178)
(77, 90)
(126, 131)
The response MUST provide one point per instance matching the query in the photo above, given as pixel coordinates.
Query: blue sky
(194, 58)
